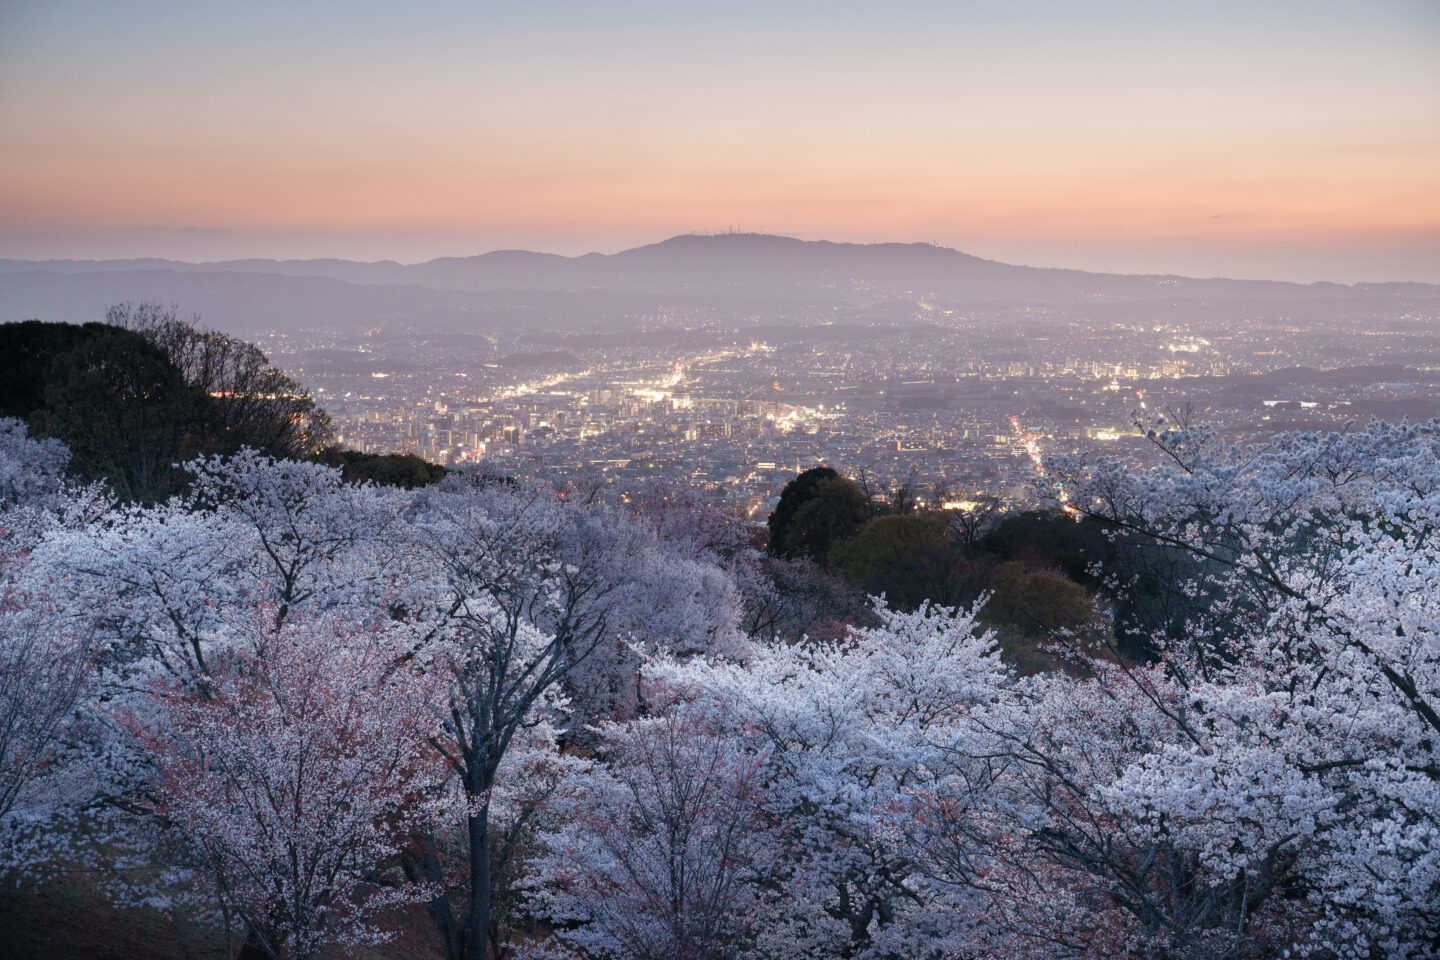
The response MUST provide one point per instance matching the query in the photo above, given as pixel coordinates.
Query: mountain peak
(752, 266)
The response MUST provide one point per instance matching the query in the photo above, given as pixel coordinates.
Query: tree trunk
(477, 926)
(426, 866)
(256, 946)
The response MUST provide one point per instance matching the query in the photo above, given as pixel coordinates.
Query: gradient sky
(1296, 140)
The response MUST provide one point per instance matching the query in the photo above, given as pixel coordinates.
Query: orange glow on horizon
(997, 136)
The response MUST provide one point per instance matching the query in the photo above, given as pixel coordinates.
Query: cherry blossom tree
(309, 538)
(48, 658)
(294, 778)
(173, 577)
(1267, 783)
(1299, 714)
(30, 469)
(47, 669)
(496, 686)
(664, 848)
(172, 591)
(499, 592)
(528, 587)
(848, 728)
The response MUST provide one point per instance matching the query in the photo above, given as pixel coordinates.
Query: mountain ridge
(765, 265)
(738, 273)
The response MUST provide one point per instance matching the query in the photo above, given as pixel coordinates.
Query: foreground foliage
(535, 715)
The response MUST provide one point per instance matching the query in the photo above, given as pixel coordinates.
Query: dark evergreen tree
(796, 493)
(817, 510)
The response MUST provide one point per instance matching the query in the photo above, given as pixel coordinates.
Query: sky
(1268, 138)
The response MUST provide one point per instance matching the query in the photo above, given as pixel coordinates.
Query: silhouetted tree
(974, 520)
(253, 404)
(792, 498)
(134, 397)
(822, 509)
(905, 497)
(119, 404)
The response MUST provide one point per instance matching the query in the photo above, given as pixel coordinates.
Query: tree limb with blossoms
(294, 779)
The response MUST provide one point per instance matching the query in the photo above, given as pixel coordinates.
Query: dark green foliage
(1037, 566)
(115, 399)
(1050, 538)
(27, 351)
(909, 558)
(792, 498)
(133, 399)
(1144, 581)
(817, 509)
(391, 469)
(1037, 600)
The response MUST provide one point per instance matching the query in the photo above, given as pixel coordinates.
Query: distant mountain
(246, 304)
(748, 266)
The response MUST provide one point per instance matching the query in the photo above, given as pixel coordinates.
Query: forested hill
(134, 397)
